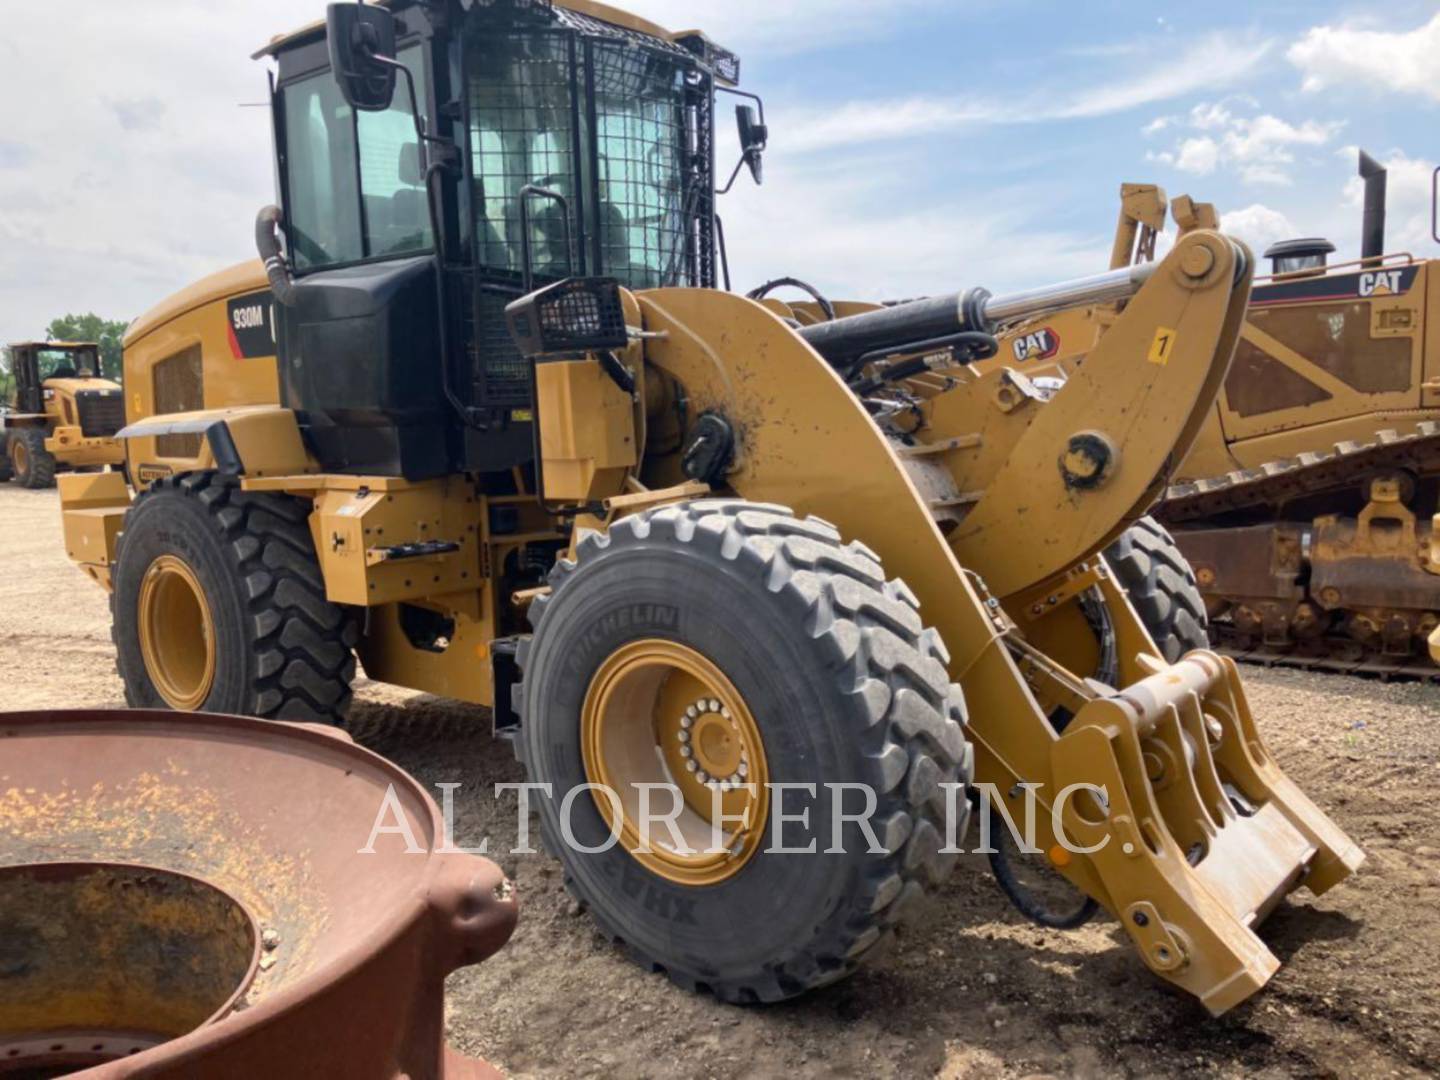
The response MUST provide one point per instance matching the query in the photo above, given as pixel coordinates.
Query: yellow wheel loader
(802, 573)
(62, 414)
(1306, 504)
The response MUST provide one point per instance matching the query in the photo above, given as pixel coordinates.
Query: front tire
(1160, 582)
(799, 634)
(219, 606)
(31, 464)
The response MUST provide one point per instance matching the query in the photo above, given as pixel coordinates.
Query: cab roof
(593, 8)
(52, 345)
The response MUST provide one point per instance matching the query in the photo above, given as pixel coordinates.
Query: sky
(917, 146)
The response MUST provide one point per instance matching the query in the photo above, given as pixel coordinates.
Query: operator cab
(34, 363)
(546, 142)
(1307, 257)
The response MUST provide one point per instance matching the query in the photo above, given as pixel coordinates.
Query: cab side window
(355, 180)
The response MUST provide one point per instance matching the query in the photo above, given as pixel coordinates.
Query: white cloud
(1347, 55)
(841, 226)
(778, 28)
(1211, 62)
(1199, 156)
(868, 122)
(1260, 148)
(135, 171)
(1208, 116)
(1258, 225)
(1159, 124)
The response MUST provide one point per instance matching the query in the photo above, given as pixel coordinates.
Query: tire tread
(910, 716)
(304, 644)
(1153, 571)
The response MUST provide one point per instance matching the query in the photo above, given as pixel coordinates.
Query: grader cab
(527, 455)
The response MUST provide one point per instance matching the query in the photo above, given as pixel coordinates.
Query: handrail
(1301, 275)
(1435, 205)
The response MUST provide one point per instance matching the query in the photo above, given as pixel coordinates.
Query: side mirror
(357, 34)
(753, 139)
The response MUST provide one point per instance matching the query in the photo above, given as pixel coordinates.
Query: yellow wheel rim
(658, 712)
(177, 633)
(20, 458)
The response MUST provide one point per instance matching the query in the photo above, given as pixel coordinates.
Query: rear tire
(32, 465)
(845, 685)
(280, 650)
(1160, 582)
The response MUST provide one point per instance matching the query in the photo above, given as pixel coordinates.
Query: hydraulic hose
(267, 243)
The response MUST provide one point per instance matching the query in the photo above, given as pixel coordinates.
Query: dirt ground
(972, 990)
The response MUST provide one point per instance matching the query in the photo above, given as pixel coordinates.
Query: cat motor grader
(526, 455)
(62, 414)
(1307, 502)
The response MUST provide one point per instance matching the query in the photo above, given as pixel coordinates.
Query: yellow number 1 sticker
(1162, 347)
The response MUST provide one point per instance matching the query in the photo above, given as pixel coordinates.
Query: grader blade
(203, 896)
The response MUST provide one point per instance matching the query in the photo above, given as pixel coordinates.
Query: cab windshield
(602, 123)
(66, 363)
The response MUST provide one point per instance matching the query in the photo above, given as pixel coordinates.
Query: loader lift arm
(1032, 535)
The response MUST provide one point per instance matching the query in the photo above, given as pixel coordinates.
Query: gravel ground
(969, 990)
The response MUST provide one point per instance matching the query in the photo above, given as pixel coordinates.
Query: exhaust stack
(1372, 231)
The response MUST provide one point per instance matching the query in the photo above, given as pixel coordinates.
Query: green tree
(7, 381)
(107, 333)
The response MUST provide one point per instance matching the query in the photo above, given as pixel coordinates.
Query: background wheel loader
(1306, 504)
(526, 455)
(61, 414)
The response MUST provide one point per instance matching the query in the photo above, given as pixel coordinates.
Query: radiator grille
(178, 387)
(101, 412)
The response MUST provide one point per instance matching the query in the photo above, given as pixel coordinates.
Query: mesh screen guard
(617, 123)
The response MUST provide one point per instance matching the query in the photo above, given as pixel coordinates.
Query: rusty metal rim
(365, 947)
(89, 1042)
(75, 1048)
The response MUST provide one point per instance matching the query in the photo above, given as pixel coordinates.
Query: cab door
(29, 393)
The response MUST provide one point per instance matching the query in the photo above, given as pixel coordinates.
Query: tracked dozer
(1306, 505)
(525, 454)
(62, 414)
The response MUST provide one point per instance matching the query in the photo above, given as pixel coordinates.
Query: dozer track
(1308, 474)
(1193, 508)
